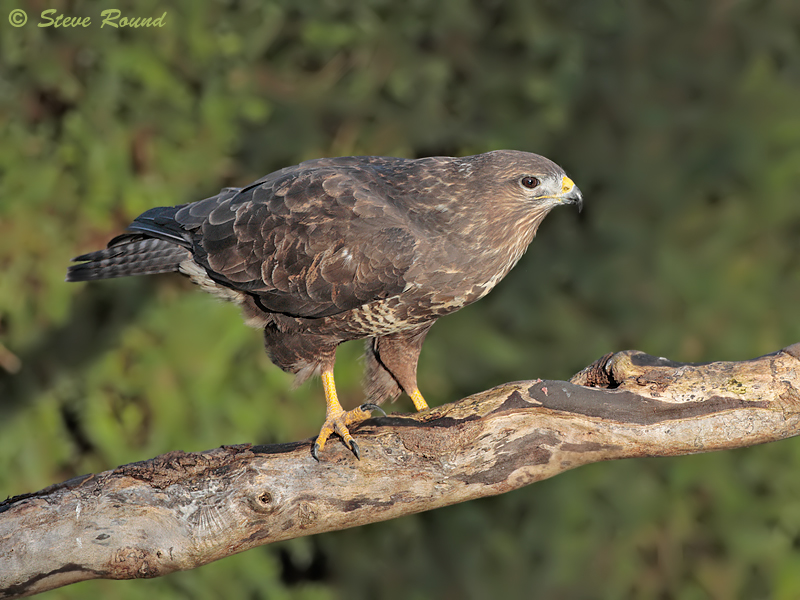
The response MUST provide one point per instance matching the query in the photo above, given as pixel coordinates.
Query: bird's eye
(529, 182)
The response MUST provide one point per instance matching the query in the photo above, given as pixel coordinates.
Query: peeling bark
(182, 510)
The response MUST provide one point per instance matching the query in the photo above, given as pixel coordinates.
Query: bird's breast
(385, 317)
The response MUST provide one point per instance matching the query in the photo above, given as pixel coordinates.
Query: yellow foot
(337, 421)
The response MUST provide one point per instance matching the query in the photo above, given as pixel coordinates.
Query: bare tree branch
(179, 511)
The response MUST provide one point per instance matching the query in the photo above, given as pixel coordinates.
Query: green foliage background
(679, 120)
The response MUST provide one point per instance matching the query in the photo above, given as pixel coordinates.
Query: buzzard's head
(506, 195)
(533, 181)
(553, 189)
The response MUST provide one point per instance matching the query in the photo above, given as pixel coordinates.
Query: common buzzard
(337, 249)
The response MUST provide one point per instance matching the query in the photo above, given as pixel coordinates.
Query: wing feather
(309, 241)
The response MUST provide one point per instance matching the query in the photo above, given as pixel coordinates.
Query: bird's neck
(521, 232)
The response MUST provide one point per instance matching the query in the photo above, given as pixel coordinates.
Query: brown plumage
(347, 248)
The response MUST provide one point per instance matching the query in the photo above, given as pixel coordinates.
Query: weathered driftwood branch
(179, 511)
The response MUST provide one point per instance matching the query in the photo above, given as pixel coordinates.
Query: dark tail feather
(134, 256)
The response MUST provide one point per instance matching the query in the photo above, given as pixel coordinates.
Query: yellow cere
(566, 184)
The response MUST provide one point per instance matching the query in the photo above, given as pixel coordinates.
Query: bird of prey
(357, 247)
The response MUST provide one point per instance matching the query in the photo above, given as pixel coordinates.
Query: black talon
(369, 406)
(355, 449)
(315, 451)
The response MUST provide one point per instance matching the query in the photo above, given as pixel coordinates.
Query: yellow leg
(333, 413)
(419, 401)
(337, 419)
(329, 384)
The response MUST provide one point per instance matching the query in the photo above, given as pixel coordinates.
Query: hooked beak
(570, 194)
